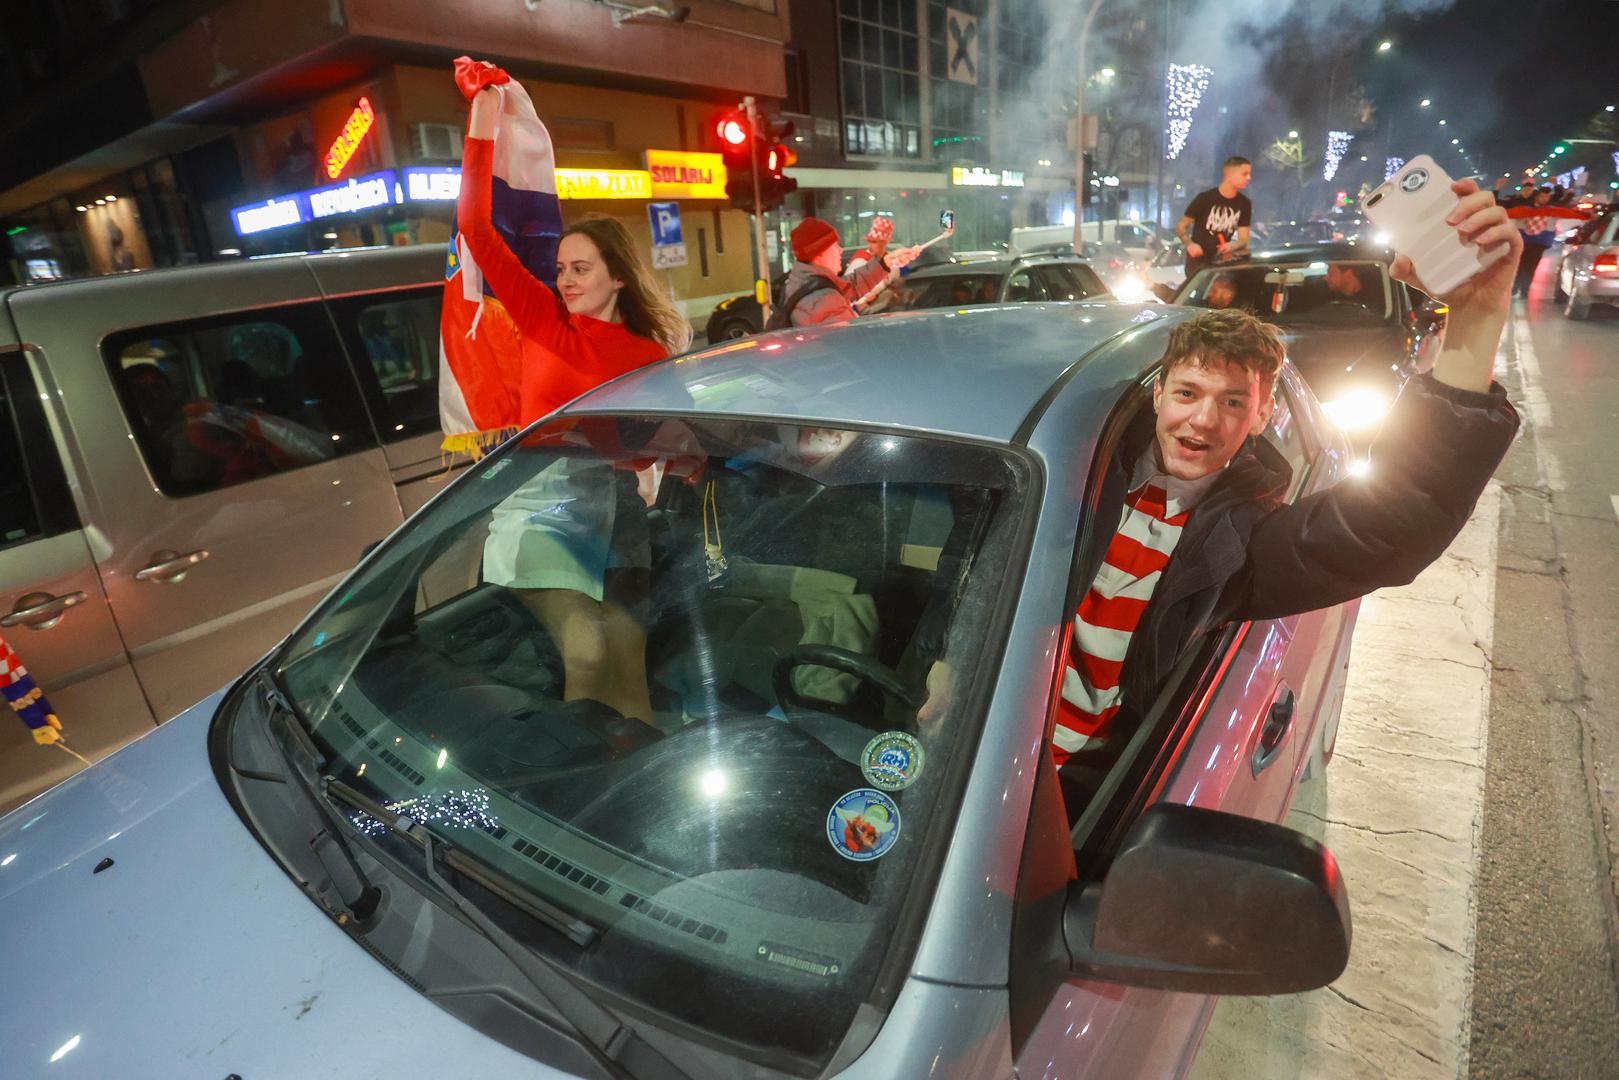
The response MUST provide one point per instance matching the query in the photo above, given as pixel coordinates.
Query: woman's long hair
(643, 304)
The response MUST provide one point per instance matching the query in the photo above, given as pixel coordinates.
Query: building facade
(195, 130)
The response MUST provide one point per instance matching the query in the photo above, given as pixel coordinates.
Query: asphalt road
(1546, 948)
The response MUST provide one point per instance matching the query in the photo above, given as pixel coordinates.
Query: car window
(396, 337)
(961, 290)
(744, 804)
(225, 400)
(1286, 433)
(1336, 293)
(34, 497)
(1023, 288)
(1063, 281)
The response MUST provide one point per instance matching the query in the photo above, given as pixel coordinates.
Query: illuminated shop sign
(360, 193)
(432, 183)
(350, 197)
(270, 214)
(677, 174)
(603, 184)
(348, 140)
(977, 176)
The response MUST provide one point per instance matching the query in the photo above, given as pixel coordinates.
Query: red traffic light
(732, 130)
(779, 157)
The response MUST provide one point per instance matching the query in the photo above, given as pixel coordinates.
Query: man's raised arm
(1438, 448)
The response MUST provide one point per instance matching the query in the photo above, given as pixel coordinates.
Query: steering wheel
(862, 667)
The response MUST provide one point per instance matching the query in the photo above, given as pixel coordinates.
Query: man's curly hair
(1227, 336)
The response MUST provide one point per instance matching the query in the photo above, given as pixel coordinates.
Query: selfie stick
(889, 280)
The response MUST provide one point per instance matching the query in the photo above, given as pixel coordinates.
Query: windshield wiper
(614, 1044)
(617, 1048)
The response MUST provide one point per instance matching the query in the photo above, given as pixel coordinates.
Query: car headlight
(1357, 410)
(1133, 289)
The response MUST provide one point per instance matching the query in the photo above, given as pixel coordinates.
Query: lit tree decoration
(1185, 88)
(1337, 146)
(1392, 166)
(1616, 161)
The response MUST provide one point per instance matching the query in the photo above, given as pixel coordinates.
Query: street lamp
(1455, 142)
(1442, 123)
(1106, 75)
(1292, 134)
(1384, 46)
(1426, 102)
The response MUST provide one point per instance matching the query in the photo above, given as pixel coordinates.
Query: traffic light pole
(761, 272)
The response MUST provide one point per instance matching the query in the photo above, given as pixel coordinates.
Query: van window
(34, 497)
(225, 400)
(395, 335)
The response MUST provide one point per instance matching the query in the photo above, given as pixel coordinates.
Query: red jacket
(564, 355)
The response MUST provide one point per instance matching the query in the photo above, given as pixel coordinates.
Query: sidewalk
(1401, 807)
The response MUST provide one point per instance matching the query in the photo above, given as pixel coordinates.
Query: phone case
(1410, 208)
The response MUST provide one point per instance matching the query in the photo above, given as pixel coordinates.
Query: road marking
(1535, 402)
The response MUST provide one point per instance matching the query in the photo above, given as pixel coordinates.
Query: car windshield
(664, 673)
(1339, 293)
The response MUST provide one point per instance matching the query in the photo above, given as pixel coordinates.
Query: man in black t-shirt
(1219, 218)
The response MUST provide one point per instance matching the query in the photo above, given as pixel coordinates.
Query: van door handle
(169, 566)
(41, 611)
(1274, 731)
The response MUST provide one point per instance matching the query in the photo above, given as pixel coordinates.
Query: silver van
(191, 459)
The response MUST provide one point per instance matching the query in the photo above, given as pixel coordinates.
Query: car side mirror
(1206, 902)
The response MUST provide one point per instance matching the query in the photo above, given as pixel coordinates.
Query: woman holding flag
(554, 541)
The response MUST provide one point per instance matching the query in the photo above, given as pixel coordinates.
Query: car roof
(1335, 251)
(978, 372)
(406, 262)
(999, 264)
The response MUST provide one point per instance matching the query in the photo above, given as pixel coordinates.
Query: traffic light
(1089, 185)
(747, 154)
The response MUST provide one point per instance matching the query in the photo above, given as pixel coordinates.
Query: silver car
(404, 845)
(1588, 272)
(193, 457)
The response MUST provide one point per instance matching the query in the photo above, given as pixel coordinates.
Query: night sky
(1512, 77)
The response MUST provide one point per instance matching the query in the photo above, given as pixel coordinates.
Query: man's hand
(1479, 305)
(1194, 250)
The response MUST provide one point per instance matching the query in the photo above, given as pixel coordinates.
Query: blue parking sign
(665, 219)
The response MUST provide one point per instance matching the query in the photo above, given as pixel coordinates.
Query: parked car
(193, 457)
(998, 280)
(1354, 332)
(1588, 266)
(393, 848)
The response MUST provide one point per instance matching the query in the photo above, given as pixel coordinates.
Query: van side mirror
(1206, 902)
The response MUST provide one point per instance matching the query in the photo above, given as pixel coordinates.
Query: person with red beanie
(815, 292)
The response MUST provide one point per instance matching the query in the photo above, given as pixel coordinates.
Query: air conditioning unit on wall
(436, 142)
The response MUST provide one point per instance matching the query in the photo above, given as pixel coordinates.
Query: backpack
(782, 317)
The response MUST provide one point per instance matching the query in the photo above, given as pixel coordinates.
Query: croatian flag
(480, 349)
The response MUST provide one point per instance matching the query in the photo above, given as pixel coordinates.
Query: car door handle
(169, 566)
(1274, 731)
(41, 611)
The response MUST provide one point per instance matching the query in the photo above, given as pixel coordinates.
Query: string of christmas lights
(1392, 166)
(1184, 91)
(1337, 145)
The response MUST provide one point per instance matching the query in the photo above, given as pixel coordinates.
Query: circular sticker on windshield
(1415, 180)
(863, 825)
(892, 761)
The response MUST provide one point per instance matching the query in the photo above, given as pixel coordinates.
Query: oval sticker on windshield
(892, 761)
(863, 825)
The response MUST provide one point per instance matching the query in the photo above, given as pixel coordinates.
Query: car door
(233, 475)
(393, 338)
(1228, 732)
(53, 612)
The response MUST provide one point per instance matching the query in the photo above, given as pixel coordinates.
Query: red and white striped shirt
(1155, 511)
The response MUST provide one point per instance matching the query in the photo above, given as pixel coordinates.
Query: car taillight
(1606, 264)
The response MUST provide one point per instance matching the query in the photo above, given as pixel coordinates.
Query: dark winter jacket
(835, 302)
(1245, 555)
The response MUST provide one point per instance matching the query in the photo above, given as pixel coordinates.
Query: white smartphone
(1410, 208)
